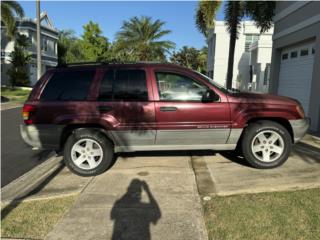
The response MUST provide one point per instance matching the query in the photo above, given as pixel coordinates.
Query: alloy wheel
(86, 154)
(267, 146)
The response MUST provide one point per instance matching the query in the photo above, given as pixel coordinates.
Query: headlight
(300, 111)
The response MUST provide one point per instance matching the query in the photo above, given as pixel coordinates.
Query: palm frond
(205, 15)
(262, 13)
(142, 37)
(14, 6)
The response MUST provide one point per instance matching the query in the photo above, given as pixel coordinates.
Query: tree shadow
(132, 217)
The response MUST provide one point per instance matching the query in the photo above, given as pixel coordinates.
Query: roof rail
(81, 63)
(111, 62)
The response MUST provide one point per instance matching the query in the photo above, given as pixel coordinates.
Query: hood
(261, 98)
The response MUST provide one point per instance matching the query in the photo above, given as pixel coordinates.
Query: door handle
(104, 109)
(168, 109)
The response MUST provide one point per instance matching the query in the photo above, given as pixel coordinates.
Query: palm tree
(9, 9)
(205, 15)
(141, 38)
(261, 12)
(234, 11)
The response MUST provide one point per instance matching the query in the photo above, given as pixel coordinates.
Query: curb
(10, 105)
(26, 183)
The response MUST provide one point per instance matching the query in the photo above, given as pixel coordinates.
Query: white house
(49, 46)
(218, 49)
(260, 59)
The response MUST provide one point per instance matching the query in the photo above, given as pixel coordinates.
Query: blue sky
(179, 16)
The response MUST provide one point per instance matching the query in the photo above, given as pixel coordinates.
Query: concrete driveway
(158, 195)
(231, 175)
(145, 197)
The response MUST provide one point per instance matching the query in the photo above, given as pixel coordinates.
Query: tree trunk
(232, 44)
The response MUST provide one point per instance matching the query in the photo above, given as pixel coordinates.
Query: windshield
(213, 83)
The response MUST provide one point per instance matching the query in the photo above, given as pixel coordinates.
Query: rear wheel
(88, 152)
(266, 144)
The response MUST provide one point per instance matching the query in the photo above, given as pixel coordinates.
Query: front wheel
(266, 144)
(88, 152)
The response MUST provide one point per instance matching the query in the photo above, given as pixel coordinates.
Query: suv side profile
(92, 111)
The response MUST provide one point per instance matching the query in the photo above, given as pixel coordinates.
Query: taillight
(300, 111)
(27, 112)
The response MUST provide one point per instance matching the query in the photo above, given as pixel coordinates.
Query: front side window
(68, 86)
(124, 85)
(176, 87)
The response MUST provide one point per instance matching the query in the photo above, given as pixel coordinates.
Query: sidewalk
(139, 198)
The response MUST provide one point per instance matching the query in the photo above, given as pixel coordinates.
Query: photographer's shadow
(131, 216)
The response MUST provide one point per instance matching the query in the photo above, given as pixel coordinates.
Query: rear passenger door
(123, 101)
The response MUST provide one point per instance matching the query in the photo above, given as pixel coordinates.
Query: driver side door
(182, 118)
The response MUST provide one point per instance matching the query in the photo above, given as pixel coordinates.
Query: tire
(266, 138)
(88, 152)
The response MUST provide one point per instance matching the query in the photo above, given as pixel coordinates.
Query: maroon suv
(93, 111)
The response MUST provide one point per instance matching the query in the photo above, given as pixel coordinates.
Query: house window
(284, 56)
(313, 51)
(294, 54)
(304, 52)
(250, 38)
(44, 44)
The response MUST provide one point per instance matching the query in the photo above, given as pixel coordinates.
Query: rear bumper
(42, 136)
(300, 128)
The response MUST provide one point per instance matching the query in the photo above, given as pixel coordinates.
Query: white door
(295, 75)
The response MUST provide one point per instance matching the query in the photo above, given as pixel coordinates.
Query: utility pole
(38, 41)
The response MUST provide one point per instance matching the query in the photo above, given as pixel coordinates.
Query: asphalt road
(17, 157)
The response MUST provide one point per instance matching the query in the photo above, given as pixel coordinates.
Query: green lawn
(34, 219)
(284, 215)
(15, 95)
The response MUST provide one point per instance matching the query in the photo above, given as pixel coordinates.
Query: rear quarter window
(68, 86)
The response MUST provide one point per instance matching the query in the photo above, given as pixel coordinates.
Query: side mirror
(210, 96)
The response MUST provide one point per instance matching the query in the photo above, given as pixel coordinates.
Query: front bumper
(41, 136)
(300, 128)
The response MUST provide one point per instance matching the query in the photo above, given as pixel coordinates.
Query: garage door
(295, 75)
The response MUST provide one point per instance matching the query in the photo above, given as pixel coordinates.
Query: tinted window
(68, 86)
(175, 87)
(106, 86)
(130, 85)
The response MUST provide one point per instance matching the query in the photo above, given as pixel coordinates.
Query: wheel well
(68, 130)
(282, 121)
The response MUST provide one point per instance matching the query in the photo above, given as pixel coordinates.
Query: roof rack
(81, 63)
(110, 62)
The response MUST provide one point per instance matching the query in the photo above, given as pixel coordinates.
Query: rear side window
(68, 86)
(124, 85)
